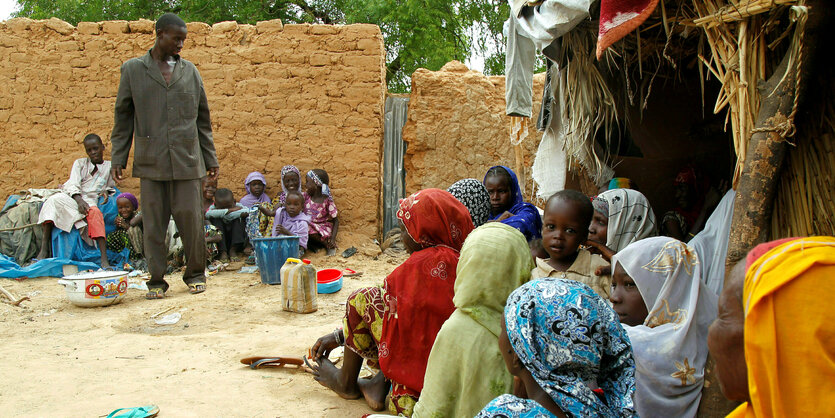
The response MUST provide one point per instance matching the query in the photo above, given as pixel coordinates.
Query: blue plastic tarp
(69, 248)
(52, 267)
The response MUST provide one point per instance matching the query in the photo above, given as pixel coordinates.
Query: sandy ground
(63, 360)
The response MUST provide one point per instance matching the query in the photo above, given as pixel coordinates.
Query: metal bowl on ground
(98, 288)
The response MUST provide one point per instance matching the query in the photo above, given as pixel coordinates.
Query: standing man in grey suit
(161, 107)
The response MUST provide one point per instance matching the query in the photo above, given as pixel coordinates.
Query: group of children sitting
(308, 213)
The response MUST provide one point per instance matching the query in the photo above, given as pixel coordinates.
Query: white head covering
(630, 218)
(712, 243)
(670, 347)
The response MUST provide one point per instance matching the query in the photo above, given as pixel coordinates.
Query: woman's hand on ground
(324, 345)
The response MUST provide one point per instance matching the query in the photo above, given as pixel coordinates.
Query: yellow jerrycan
(298, 286)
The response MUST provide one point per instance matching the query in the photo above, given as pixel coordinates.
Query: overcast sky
(6, 8)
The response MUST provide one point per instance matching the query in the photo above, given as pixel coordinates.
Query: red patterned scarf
(618, 18)
(419, 292)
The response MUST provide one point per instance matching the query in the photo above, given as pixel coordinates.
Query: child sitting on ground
(128, 232)
(565, 226)
(319, 205)
(226, 216)
(255, 185)
(289, 183)
(213, 238)
(290, 220)
(209, 189)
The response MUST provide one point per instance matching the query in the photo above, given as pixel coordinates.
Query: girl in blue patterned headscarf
(559, 338)
(507, 204)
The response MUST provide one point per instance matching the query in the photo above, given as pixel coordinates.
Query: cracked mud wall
(309, 95)
(457, 128)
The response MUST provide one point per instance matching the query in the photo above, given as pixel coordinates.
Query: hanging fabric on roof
(618, 18)
(534, 26)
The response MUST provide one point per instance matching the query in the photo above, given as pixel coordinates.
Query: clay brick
(89, 28)
(18, 57)
(370, 63)
(19, 24)
(370, 44)
(198, 28)
(295, 29)
(115, 26)
(223, 27)
(67, 46)
(268, 26)
(10, 41)
(59, 26)
(322, 30)
(141, 26)
(80, 62)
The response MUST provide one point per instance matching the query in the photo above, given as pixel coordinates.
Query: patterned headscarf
(670, 347)
(131, 198)
(600, 205)
(474, 196)
(630, 217)
(566, 335)
(434, 217)
(287, 169)
(325, 189)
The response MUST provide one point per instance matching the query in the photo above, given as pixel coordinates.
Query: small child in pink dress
(318, 203)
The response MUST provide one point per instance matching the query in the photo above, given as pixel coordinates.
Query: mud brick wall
(309, 95)
(457, 127)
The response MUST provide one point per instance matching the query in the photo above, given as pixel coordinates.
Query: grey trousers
(183, 200)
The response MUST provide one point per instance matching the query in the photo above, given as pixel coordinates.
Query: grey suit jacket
(169, 123)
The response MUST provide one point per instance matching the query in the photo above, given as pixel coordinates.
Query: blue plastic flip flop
(138, 412)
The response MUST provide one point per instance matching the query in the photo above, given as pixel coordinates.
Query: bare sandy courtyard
(63, 360)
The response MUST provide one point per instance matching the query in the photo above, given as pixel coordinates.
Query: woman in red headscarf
(394, 326)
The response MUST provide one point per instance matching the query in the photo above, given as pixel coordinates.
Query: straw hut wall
(761, 53)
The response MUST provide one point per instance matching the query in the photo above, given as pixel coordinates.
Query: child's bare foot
(329, 375)
(374, 391)
(223, 257)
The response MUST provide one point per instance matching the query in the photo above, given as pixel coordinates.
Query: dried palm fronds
(584, 101)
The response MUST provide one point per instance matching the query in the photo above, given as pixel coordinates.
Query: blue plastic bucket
(271, 253)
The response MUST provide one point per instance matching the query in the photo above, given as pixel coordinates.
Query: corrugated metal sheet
(394, 176)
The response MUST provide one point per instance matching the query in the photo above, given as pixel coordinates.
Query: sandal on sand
(259, 362)
(138, 412)
(155, 293)
(195, 288)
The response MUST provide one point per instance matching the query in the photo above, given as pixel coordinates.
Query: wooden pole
(767, 146)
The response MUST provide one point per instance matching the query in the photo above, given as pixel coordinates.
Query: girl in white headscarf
(666, 309)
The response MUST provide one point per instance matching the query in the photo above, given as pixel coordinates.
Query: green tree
(417, 33)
